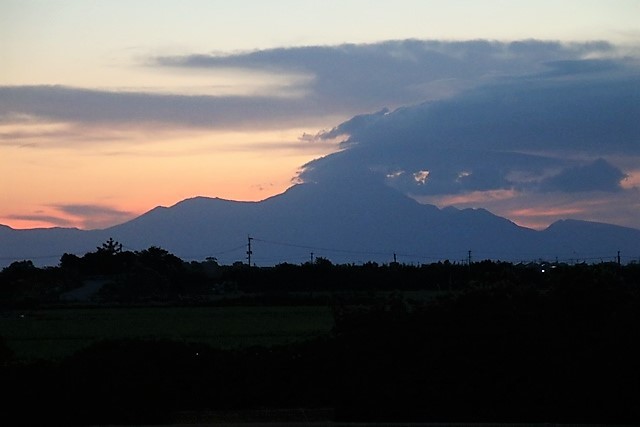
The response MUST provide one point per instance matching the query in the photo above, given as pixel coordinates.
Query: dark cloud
(450, 171)
(531, 114)
(94, 216)
(393, 73)
(343, 80)
(67, 104)
(510, 134)
(584, 66)
(596, 176)
(91, 210)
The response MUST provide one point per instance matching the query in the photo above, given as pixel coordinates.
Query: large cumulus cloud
(555, 131)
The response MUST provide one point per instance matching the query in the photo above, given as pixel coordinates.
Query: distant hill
(346, 223)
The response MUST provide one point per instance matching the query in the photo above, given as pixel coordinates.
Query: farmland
(483, 342)
(57, 333)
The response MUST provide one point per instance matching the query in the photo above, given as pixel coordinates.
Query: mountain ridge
(353, 223)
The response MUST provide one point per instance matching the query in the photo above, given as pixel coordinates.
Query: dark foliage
(21, 283)
(6, 354)
(155, 275)
(559, 347)
(499, 353)
(501, 343)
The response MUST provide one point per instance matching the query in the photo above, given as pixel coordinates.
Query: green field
(57, 333)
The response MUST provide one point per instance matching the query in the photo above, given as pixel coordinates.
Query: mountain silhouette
(351, 222)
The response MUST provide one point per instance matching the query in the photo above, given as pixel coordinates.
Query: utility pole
(249, 252)
(618, 257)
(469, 259)
(395, 259)
(311, 257)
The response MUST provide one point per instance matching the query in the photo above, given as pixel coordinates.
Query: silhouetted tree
(111, 247)
(160, 260)
(108, 259)
(70, 262)
(19, 269)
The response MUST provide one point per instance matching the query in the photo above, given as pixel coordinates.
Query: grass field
(56, 333)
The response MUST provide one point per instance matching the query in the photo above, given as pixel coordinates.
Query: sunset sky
(110, 108)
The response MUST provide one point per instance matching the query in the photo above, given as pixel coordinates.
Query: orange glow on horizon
(545, 212)
(117, 180)
(539, 210)
(475, 197)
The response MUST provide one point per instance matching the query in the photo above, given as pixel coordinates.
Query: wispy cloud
(94, 216)
(89, 106)
(41, 218)
(73, 215)
(310, 84)
(393, 73)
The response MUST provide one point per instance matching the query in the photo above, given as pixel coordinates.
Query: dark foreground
(507, 346)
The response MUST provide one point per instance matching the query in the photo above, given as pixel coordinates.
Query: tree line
(154, 274)
(500, 343)
(502, 351)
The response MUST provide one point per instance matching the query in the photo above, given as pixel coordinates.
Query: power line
(319, 248)
(313, 252)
